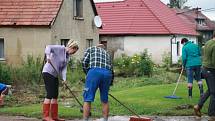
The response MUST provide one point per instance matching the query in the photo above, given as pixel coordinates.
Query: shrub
(29, 73)
(166, 59)
(137, 65)
(146, 64)
(5, 74)
(123, 66)
(74, 71)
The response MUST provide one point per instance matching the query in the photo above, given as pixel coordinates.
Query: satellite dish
(98, 21)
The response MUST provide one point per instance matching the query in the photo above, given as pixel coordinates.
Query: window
(104, 43)
(1, 48)
(78, 8)
(178, 48)
(89, 43)
(201, 21)
(64, 42)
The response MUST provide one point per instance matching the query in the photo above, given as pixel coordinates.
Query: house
(27, 26)
(130, 26)
(203, 25)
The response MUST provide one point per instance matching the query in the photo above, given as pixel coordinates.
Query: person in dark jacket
(98, 67)
(191, 60)
(209, 75)
(57, 58)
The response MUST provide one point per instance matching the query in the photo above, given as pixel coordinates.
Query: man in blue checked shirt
(3, 91)
(98, 68)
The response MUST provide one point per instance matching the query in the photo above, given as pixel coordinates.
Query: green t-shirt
(209, 54)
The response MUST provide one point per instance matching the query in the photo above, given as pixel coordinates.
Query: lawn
(144, 99)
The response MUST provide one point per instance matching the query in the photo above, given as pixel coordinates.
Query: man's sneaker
(197, 110)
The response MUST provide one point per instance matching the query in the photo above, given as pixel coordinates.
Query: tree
(177, 3)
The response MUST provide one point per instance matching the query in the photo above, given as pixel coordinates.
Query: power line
(208, 9)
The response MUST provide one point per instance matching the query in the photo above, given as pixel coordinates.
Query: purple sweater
(59, 58)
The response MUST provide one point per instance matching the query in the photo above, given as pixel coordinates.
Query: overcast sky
(203, 4)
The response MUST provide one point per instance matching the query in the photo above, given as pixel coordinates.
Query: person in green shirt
(191, 59)
(209, 75)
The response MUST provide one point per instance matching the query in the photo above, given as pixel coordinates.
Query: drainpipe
(171, 41)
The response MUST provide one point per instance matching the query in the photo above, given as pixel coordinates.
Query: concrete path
(115, 118)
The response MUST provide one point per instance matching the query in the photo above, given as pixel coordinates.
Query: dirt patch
(184, 106)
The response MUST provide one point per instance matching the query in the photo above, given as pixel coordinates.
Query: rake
(173, 96)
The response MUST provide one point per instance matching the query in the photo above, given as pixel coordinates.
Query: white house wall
(175, 56)
(156, 46)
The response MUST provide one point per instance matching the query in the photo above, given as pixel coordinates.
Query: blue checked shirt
(96, 57)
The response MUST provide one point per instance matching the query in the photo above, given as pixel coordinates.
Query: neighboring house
(203, 25)
(27, 26)
(130, 26)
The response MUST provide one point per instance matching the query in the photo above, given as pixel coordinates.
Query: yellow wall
(20, 42)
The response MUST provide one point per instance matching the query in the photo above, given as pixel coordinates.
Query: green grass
(145, 100)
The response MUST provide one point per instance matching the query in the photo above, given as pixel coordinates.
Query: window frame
(89, 43)
(64, 42)
(78, 9)
(3, 49)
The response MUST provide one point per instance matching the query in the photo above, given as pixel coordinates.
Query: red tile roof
(140, 17)
(28, 12)
(190, 16)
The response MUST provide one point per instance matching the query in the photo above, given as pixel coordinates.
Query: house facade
(202, 24)
(131, 26)
(26, 27)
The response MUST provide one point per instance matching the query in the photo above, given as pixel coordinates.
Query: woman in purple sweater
(57, 56)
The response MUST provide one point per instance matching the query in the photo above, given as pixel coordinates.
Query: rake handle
(124, 105)
(66, 85)
(178, 81)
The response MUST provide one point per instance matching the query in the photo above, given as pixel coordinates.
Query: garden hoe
(173, 96)
(137, 118)
(81, 106)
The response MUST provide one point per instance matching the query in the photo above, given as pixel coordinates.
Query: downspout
(173, 37)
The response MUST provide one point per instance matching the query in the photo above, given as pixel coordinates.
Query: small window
(178, 48)
(64, 42)
(78, 8)
(104, 43)
(201, 22)
(89, 43)
(1, 48)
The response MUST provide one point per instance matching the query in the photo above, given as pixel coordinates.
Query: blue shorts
(2, 87)
(97, 78)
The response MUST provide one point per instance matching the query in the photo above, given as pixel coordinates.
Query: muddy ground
(115, 118)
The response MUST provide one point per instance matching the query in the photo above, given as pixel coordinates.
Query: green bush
(123, 66)
(74, 71)
(136, 65)
(146, 64)
(166, 59)
(5, 74)
(29, 73)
